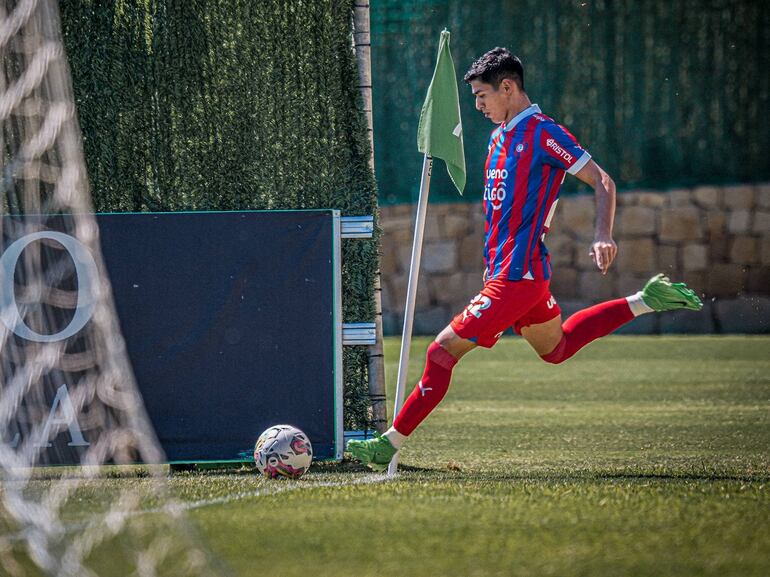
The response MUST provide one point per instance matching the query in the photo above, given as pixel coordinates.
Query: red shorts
(504, 304)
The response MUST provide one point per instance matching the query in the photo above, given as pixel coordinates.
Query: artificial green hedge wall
(228, 105)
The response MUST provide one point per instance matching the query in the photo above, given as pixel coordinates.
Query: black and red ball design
(283, 451)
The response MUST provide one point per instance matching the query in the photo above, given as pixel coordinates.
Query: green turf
(642, 456)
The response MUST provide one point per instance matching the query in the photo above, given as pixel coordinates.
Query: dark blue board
(229, 322)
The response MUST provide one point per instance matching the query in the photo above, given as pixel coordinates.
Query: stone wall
(717, 239)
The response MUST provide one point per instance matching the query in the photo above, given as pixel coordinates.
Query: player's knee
(552, 359)
(557, 355)
(447, 337)
(440, 356)
(453, 344)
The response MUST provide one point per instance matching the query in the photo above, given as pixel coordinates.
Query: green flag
(440, 133)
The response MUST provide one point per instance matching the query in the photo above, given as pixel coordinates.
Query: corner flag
(440, 132)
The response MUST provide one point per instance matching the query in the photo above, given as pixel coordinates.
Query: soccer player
(529, 155)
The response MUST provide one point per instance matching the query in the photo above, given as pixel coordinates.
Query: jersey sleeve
(562, 150)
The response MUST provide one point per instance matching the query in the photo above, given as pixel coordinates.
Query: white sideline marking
(179, 506)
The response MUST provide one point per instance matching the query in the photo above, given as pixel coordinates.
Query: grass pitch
(641, 456)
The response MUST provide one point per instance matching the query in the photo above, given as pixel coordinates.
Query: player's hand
(603, 252)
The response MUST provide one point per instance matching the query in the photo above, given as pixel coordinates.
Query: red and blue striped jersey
(526, 165)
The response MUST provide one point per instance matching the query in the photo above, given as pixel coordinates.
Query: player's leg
(544, 337)
(480, 324)
(556, 342)
(442, 356)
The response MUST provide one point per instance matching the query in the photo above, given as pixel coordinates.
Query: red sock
(428, 392)
(588, 325)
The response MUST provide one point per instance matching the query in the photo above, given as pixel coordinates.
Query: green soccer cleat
(375, 453)
(661, 295)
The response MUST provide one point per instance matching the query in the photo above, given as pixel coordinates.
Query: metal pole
(411, 294)
(376, 365)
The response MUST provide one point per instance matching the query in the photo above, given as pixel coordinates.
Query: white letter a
(65, 417)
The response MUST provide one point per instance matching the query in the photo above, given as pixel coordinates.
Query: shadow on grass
(683, 477)
(458, 472)
(247, 468)
(455, 473)
(581, 476)
(450, 471)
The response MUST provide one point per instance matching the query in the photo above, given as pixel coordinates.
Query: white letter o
(85, 269)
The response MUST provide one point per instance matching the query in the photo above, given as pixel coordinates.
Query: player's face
(491, 102)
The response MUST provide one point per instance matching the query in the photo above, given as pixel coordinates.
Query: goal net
(74, 500)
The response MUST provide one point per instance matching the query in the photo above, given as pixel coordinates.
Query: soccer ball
(283, 451)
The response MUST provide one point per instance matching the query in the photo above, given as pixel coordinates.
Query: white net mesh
(67, 394)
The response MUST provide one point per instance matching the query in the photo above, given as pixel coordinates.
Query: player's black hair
(494, 66)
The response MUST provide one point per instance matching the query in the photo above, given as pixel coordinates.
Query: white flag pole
(411, 293)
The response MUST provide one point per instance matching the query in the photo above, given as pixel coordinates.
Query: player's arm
(603, 248)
